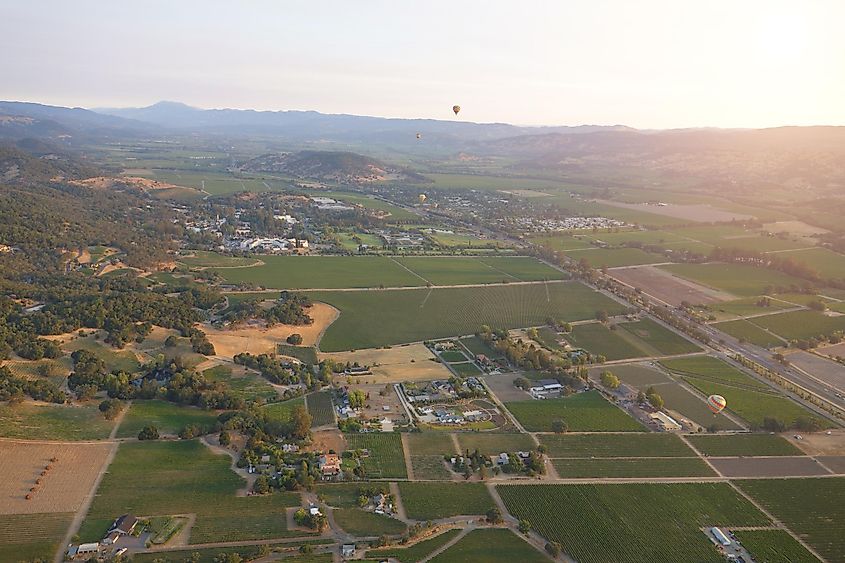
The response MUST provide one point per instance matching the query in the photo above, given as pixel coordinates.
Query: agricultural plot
(458, 270)
(302, 272)
(160, 478)
(746, 306)
(385, 459)
(822, 368)
(768, 467)
(53, 370)
(320, 408)
(659, 337)
(615, 257)
(747, 330)
(797, 325)
(640, 376)
(713, 369)
(668, 288)
(372, 319)
(281, 411)
(245, 383)
(738, 279)
(493, 545)
(598, 339)
(169, 418)
(430, 443)
(615, 445)
(339, 495)
(37, 421)
(655, 522)
(693, 407)
(430, 467)
(466, 369)
(364, 524)
(774, 546)
(477, 346)
(453, 356)
(416, 552)
(827, 263)
(753, 406)
(743, 445)
(493, 444)
(812, 508)
(396, 213)
(32, 537)
(205, 259)
(305, 354)
(564, 242)
(430, 501)
(584, 412)
(574, 468)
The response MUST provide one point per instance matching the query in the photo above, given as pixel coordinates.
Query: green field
(121, 360)
(453, 356)
(466, 369)
(37, 421)
(494, 444)
(748, 331)
(575, 468)
(371, 319)
(615, 445)
(477, 346)
(743, 445)
(496, 545)
(305, 354)
(665, 341)
(340, 495)
(812, 508)
(753, 406)
(615, 257)
(359, 523)
(249, 385)
(205, 259)
(713, 369)
(181, 477)
(281, 411)
(648, 522)
(774, 546)
(458, 270)
(584, 412)
(745, 306)
(386, 459)
(637, 375)
(169, 418)
(430, 467)
(430, 443)
(396, 213)
(828, 264)
(415, 552)
(739, 279)
(598, 339)
(32, 537)
(563, 242)
(801, 324)
(320, 408)
(430, 501)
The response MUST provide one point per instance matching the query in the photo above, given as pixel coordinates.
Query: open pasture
(600, 340)
(774, 546)
(430, 501)
(242, 382)
(727, 445)
(161, 478)
(615, 257)
(644, 467)
(739, 279)
(659, 337)
(648, 522)
(371, 319)
(730, 310)
(491, 545)
(827, 263)
(796, 325)
(123, 360)
(42, 421)
(61, 489)
(812, 508)
(615, 445)
(747, 330)
(584, 412)
(412, 362)
(32, 537)
(564, 242)
(169, 418)
(385, 459)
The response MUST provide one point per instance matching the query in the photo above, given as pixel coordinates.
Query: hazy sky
(672, 63)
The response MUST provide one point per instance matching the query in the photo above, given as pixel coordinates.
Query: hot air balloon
(419, 135)
(456, 109)
(423, 197)
(716, 403)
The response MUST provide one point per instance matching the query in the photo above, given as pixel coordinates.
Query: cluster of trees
(304, 517)
(652, 397)
(472, 462)
(273, 369)
(771, 261)
(609, 380)
(290, 309)
(200, 343)
(14, 389)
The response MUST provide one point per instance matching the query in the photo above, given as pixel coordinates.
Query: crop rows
(385, 459)
(320, 407)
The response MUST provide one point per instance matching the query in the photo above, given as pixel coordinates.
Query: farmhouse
(347, 550)
(665, 421)
(546, 388)
(124, 525)
(329, 465)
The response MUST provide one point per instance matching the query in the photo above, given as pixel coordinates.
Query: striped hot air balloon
(716, 403)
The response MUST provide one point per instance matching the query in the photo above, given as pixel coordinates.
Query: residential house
(329, 465)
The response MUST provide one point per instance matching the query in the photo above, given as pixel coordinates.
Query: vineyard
(576, 468)
(743, 445)
(584, 412)
(370, 319)
(429, 501)
(359, 523)
(430, 443)
(812, 508)
(385, 459)
(31, 537)
(647, 522)
(615, 445)
(168, 418)
(430, 467)
(774, 546)
(496, 545)
(53, 422)
(417, 551)
(320, 407)
(494, 444)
